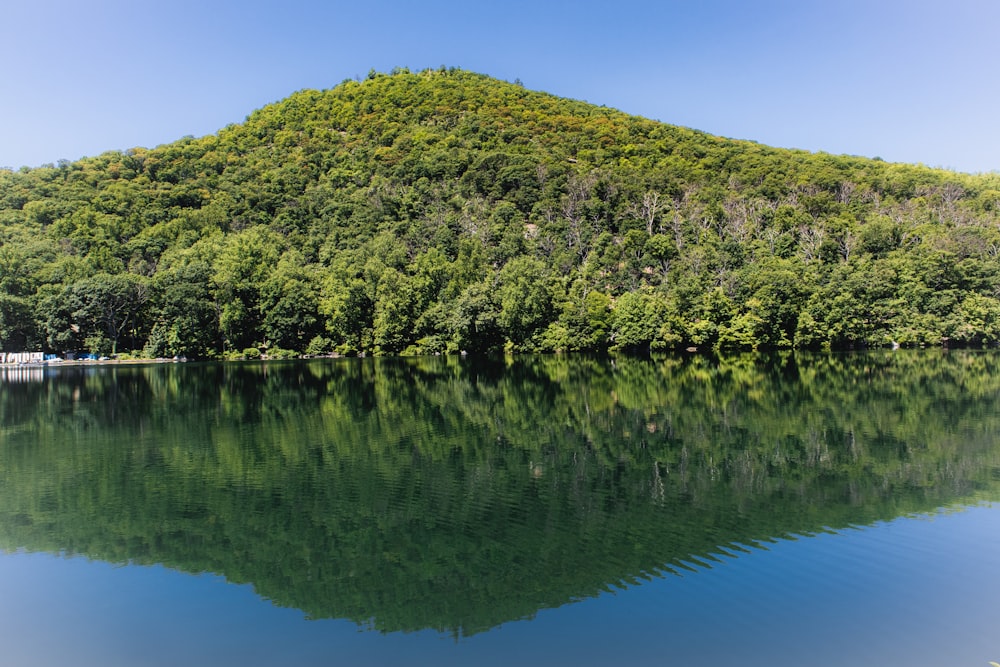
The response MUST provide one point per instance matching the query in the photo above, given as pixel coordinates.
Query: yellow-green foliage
(472, 214)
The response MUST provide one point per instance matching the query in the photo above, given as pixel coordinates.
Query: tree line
(445, 211)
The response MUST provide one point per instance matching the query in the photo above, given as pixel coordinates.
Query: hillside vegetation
(445, 211)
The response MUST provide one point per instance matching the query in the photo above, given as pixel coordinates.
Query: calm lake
(679, 510)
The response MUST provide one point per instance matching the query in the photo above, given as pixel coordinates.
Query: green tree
(638, 317)
(584, 321)
(392, 326)
(525, 300)
(18, 332)
(105, 308)
(186, 317)
(290, 303)
(473, 320)
(243, 266)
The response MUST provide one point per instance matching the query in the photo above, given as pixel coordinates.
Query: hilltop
(443, 210)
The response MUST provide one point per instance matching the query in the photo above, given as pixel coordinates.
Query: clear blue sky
(905, 80)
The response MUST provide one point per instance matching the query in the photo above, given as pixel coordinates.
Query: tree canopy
(445, 211)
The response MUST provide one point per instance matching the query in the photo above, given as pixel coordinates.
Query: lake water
(783, 510)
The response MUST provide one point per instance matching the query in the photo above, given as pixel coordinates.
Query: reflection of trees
(459, 494)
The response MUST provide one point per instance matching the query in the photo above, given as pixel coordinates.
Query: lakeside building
(22, 357)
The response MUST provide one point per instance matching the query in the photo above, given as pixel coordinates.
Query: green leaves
(96, 313)
(243, 265)
(525, 299)
(467, 213)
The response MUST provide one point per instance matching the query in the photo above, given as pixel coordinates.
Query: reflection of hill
(457, 495)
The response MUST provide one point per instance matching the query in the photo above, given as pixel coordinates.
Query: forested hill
(443, 211)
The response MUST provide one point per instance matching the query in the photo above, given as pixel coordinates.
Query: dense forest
(458, 494)
(445, 211)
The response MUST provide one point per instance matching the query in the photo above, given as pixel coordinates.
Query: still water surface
(821, 510)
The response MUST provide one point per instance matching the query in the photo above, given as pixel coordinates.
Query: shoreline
(56, 363)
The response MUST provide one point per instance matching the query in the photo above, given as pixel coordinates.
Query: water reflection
(21, 373)
(460, 494)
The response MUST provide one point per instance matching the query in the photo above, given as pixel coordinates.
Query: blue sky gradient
(905, 80)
